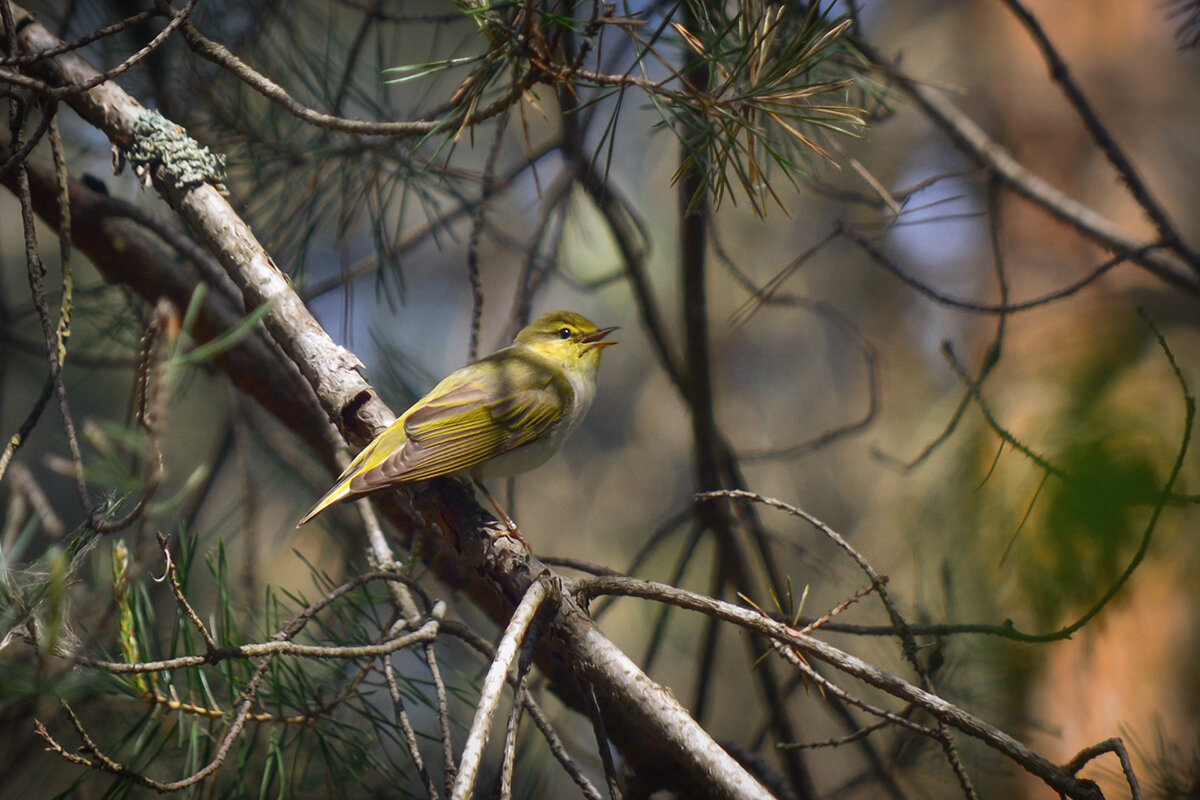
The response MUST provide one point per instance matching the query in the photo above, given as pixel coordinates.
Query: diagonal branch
(1060, 778)
(972, 140)
(1100, 135)
(493, 684)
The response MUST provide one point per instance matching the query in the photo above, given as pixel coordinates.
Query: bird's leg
(504, 517)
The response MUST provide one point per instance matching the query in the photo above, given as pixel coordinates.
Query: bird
(502, 415)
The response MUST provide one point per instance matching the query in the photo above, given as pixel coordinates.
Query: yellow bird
(501, 415)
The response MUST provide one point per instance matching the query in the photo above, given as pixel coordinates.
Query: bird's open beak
(594, 338)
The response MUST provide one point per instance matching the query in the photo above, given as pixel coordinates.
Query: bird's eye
(564, 333)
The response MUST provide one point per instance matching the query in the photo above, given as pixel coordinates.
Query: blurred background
(835, 393)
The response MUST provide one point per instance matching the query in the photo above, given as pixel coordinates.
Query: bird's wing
(460, 429)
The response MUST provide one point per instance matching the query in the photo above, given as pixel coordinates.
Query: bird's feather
(461, 429)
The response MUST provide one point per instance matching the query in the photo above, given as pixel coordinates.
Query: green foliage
(764, 81)
(322, 726)
(1090, 523)
(757, 93)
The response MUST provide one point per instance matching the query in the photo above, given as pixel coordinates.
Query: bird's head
(567, 338)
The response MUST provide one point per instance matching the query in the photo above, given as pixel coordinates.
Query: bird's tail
(340, 491)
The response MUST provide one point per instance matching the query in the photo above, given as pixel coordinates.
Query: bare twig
(410, 736)
(172, 575)
(981, 148)
(65, 92)
(458, 119)
(1057, 777)
(658, 633)
(36, 273)
(474, 276)
(493, 682)
(152, 399)
(1113, 745)
(1101, 136)
(63, 330)
(992, 354)
(1164, 494)
(1004, 307)
(601, 733)
(83, 41)
(828, 686)
(540, 718)
(520, 695)
(878, 582)
(426, 633)
(449, 767)
(19, 155)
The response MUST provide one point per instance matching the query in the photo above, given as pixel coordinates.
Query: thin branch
(410, 736)
(66, 92)
(474, 276)
(152, 397)
(769, 294)
(683, 559)
(956, 764)
(449, 766)
(1116, 746)
(36, 273)
(520, 693)
(18, 158)
(540, 718)
(826, 685)
(878, 582)
(991, 354)
(706, 649)
(985, 409)
(1055, 776)
(1164, 494)
(456, 120)
(172, 575)
(601, 734)
(1004, 307)
(493, 683)
(19, 154)
(969, 137)
(82, 41)
(426, 633)
(1101, 136)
